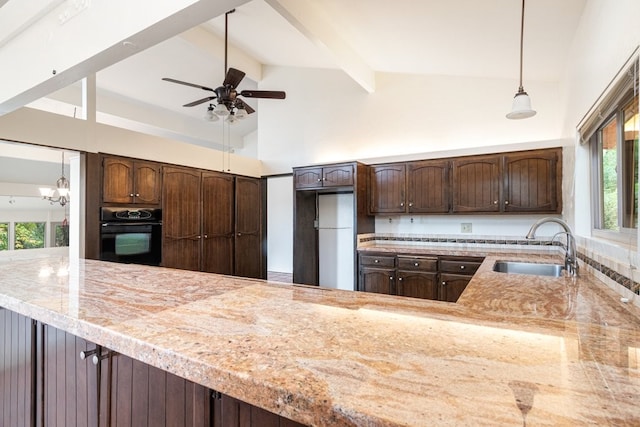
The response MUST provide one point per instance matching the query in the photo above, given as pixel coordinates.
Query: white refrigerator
(335, 241)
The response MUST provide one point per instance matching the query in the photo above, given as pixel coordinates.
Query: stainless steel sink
(553, 270)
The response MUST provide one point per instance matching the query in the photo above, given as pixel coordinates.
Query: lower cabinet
(427, 277)
(51, 378)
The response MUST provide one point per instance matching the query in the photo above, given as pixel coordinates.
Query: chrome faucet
(571, 254)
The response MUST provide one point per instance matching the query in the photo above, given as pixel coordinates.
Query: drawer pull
(376, 261)
(402, 204)
(416, 264)
(390, 277)
(462, 267)
(399, 279)
(444, 283)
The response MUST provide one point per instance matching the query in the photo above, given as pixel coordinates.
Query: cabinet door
(337, 176)
(248, 238)
(142, 395)
(117, 181)
(429, 186)
(181, 219)
(381, 281)
(452, 286)
(476, 184)
(230, 412)
(147, 183)
(418, 284)
(307, 178)
(217, 223)
(16, 365)
(531, 181)
(388, 184)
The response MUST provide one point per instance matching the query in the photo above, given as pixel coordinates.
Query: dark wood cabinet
(442, 278)
(476, 184)
(217, 222)
(17, 370)
(212, 222)
(387, 188)
(323, 176)
(230, 412)
(532, 181)
(248, 228)
(417, 277)
(455, 274)
(182, 213)
(130, 181)
(429, 186)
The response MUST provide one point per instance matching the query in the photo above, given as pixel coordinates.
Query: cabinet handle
(462, 267)
(239, 234)
(86, 353)
(506, 202)
(324, 178)
(399, 279)
(495, 202)
(198, 237)
(390, 277)
(410, 204)
(319, 179)
(131, 195)
(444, 283)
(416, 264)
(137, 194)
(205, 236)
(401, 204)
(376, 261)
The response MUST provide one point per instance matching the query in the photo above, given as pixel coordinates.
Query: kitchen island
(548, 351)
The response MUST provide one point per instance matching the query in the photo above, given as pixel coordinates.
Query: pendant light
(61, 193)
(521, 108)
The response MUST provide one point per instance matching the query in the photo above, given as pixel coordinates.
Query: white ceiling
(477, 38)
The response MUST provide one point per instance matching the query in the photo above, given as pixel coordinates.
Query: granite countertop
(552, 351)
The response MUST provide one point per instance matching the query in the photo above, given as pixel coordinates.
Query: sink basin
(553, 270)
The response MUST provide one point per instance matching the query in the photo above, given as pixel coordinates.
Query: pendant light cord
(521, 89)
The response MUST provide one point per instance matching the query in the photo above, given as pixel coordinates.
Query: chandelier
(61, 193)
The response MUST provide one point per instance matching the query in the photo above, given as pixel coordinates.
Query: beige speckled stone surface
(554, 351)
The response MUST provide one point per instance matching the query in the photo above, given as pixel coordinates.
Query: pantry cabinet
(131, 181)
(212, 222)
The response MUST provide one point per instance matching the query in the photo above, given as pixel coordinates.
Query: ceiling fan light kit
(521, 107)
(228, 106)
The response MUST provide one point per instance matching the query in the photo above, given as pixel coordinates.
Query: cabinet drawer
(378, 261)
(417, 263)
(460, 266)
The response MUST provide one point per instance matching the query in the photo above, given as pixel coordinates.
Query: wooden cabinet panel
(16, 369)
(307, 178)
(417, 284)
(130, 181)
(230, 412)
(531, 181)
(217, 222)
(429, 186)
(323, 176)
(381, 281)
(181, 219)
(476, 184)
(388, 184)
(452, 285)
(248, 239)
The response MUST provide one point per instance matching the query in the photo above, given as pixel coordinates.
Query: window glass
(608, 148)
(4, 236)
(29, 235)
(60, 234)
(630, 167)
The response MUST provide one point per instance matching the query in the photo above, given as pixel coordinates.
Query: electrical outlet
(465, 227)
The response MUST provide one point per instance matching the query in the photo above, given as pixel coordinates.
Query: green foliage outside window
(4, 236)
(29, 235)
(610, 189)
(62, 235)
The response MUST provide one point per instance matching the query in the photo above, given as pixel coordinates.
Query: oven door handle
(124, 224)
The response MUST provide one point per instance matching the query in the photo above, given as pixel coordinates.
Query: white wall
(280, 224)
(327, 117)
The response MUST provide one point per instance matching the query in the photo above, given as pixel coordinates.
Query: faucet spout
(571, 253)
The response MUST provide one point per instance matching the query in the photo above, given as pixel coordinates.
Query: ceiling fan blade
(233, 78)
(180, 82)
(241, 104)
(199, 101)
(271, 94)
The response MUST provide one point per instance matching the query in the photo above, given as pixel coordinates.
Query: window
(612, 131)
(60, 234)
(4, 236)
(29, 235)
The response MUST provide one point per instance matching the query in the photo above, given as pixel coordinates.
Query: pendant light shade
(521, 108)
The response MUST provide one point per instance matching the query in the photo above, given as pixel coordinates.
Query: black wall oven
(131, 235)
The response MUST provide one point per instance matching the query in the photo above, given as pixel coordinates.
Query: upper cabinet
(519, 182)
(323, 176)
(414, 187)
(131, 181)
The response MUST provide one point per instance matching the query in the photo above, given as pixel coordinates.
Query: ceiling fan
(228, 103)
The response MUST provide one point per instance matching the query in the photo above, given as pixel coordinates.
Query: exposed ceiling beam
(307, 18)
(117, 31)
